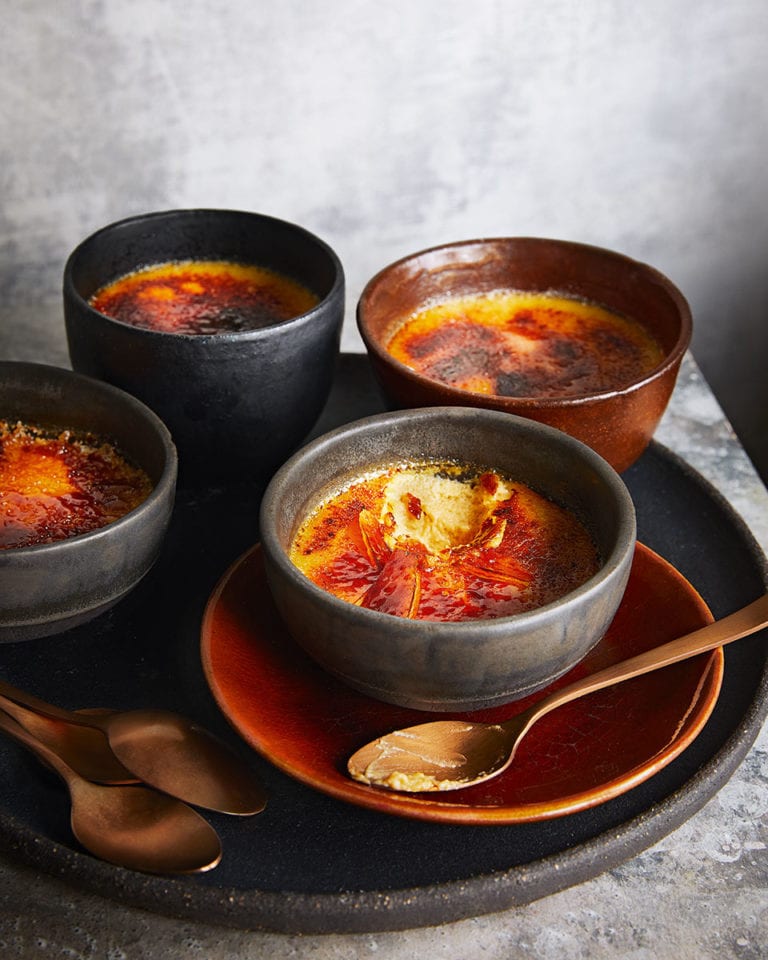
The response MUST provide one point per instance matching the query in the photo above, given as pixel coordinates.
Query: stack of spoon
(132, 776)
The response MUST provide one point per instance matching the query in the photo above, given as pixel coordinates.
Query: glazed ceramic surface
(462, 665)
(618, 424)
(51, 587)
(236, 403)
(583, 754)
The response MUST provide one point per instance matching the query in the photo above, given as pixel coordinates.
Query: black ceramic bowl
(49, 588)
(462, 665)
(236, 403)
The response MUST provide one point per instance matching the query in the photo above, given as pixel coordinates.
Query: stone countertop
(699, 893)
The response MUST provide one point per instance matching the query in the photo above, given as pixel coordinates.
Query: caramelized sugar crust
(55, 487)
(200, 297)
(517, 344)
(443, 542)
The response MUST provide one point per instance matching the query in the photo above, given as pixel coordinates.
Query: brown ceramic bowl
(468, 664)
(618, 424)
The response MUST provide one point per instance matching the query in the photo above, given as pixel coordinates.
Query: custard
(203, 297)
(441, 541)
(57, 486)
(518, 344)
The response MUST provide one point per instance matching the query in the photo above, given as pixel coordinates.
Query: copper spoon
(166, 751)
(453, 754)
(85, 749)
(131, 826)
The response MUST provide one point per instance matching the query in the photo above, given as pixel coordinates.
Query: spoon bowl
(178, 756)
(142, 829)
(454, 754)
(131, 826)
(166, 751)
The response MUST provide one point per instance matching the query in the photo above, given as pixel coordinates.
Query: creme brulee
(437, 541)
(58, 486)
(518, 344)
(203, 297)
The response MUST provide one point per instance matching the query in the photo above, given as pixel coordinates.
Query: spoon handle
(34, 703)
(15, 730)
(23, 714)
(740, 624)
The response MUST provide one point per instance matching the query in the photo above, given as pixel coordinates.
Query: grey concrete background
(390, 127)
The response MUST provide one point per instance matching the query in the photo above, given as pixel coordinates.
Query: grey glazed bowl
(236, 403)
(51, 587)
(449, 666)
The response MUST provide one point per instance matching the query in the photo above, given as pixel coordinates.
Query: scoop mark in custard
(439, 541)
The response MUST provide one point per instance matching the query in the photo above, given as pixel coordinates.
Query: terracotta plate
(307, 723)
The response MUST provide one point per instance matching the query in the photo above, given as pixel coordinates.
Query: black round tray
(310, 863)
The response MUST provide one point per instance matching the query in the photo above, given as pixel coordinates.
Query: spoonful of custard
(453, 754)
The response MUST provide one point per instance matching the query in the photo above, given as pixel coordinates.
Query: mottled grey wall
(388, 127)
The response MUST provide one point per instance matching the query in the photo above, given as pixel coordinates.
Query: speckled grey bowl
(237, 404)
(450, 666)
(49, 588)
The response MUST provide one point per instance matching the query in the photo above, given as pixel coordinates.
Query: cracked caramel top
(439, 541)
(199, 297)
(518, 344)
(57, 486)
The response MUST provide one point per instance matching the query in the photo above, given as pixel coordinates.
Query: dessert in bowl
(447, 558)
(575, 336)
(89, 477)
(226, 323)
